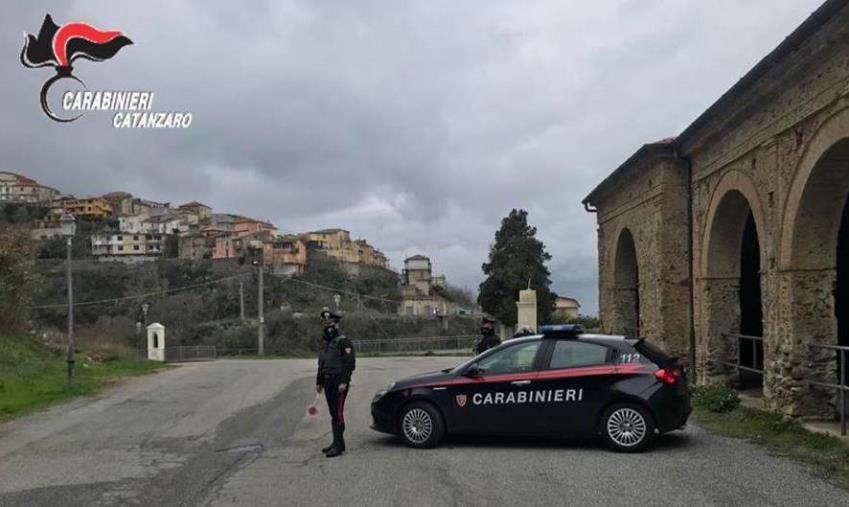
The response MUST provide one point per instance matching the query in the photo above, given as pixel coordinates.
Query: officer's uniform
(486, 340)
(336, 363)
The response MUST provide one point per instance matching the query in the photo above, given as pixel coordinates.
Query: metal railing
(418, 344)
(190, 353)
(739, 364)
(842, 388)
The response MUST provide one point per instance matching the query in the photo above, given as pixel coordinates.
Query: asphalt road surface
(235, 432)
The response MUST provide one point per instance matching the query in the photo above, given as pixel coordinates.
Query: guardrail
(842, 355)
(755, 340)
(184, 354)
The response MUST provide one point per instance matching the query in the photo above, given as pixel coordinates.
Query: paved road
(235, 432)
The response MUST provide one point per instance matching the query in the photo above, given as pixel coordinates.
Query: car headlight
(381, 393)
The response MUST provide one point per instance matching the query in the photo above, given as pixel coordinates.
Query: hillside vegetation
(33, 375)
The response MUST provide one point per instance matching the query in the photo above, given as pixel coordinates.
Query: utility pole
(261, 328)
(242, 300)
(69, 227)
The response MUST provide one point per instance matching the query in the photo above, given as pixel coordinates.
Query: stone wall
(774, 147)
(650, 204)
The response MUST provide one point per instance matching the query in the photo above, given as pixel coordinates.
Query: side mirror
(473, 371)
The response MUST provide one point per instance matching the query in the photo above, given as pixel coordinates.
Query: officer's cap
(330, 317)
(487, 320)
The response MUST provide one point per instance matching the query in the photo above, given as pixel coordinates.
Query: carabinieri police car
(562, 382)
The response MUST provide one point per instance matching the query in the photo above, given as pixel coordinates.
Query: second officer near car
(336, 363)
(488, 339)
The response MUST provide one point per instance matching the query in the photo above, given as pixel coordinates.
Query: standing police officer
(336, 362)
(487, 339)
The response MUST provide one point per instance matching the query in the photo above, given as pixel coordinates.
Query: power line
(140, 296)
(333, 289)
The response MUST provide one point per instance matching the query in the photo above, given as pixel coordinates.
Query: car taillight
(668, 376)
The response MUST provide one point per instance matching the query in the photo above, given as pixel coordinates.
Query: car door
(576, 383)
(489, 402)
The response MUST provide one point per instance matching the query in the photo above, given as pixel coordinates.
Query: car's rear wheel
(627, 427)
(421, 425)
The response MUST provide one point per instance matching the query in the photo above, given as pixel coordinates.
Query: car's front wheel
(421, 425)
(627, 427)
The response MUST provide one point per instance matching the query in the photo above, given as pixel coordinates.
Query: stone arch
(733, 253)
(813, 229)
(626, 285)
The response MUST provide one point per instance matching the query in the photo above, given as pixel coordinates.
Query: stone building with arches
(740, 225)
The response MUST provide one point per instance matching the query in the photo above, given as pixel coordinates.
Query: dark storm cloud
(417, 125)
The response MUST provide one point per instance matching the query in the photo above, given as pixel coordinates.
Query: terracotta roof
(193, 204)
(328, 231)
(417, 258)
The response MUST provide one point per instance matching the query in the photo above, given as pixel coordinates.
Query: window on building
(135, 247)
(120, 248)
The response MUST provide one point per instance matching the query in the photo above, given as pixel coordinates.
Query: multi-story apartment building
(196, 245)
(202, 211)
(243, 226)
(126, 247)
(289, 255)
(18, 189)
(337, 243)
(369, 255)
(94, 207)
(124, 204)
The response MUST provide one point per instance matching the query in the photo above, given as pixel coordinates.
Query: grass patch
(782, 436)
(33, 376)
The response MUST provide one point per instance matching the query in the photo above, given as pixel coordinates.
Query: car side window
(516, 359)
(572, 354)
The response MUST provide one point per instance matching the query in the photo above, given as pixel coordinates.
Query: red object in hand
(312, 408)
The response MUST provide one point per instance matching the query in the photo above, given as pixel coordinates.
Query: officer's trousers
(335, 401)
(336, 406)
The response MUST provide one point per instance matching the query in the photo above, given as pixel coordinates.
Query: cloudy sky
(415, 124)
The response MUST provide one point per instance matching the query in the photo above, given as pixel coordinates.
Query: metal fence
(418, 344)
(190, 353)
(842, 353)
(751, 343)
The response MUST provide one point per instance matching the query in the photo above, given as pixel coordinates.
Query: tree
(18, 280)
(516, 257)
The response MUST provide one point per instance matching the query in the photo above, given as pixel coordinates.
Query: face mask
(330, 333)
(486, 331)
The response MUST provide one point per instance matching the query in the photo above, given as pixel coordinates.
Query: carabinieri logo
(59, 46)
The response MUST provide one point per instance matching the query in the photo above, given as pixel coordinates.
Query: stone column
(527, 309)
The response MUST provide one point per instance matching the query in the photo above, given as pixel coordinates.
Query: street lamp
(69, 227)
(142, 318)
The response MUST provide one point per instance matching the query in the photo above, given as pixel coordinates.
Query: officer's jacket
(485, 343)
(336, 359)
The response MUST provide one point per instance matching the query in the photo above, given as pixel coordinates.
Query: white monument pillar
(156, 342)
(527, 309)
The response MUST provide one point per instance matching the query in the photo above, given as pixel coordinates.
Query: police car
(563, 382)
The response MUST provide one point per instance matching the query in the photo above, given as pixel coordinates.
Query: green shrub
(715, 398)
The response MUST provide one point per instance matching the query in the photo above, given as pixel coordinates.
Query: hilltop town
(133, 229)
(123, 228)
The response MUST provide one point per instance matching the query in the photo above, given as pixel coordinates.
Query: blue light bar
(561, 329)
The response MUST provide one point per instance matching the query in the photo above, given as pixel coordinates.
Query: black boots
(338, 445)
